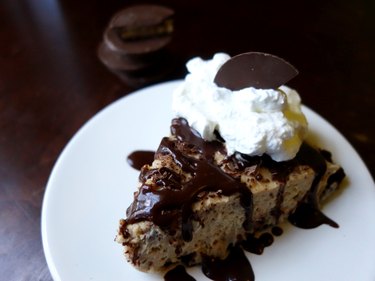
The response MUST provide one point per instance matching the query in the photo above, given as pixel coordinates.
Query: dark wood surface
(51, 83)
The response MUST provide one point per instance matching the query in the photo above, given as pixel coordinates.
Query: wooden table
(51, 83)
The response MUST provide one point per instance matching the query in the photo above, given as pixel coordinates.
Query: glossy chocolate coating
(254, 69)
(140, 29)
(169, 199)
(137, 159)
(133, 46)
(118, 61)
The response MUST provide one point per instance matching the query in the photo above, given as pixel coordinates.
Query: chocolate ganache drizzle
(167, 202)
(170, 200)
(307, 215)
(137, 159)
(167, 198)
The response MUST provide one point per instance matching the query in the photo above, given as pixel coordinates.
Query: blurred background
(52, 82)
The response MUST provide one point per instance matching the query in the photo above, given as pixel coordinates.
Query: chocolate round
(118, 61)
(147, 76)
(140, 29)
(254, 69)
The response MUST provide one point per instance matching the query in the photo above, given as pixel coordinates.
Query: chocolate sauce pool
(235, 267)
(178, 273)
(170, 200)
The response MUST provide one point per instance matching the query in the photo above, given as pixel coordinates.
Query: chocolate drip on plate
(256, 245)
(178, 274)
(235, 267)
(137, 159)
(308, 215)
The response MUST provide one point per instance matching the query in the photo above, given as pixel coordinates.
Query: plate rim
(91, 122)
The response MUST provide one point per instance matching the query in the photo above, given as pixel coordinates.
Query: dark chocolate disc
(254, 69)
(118, 61)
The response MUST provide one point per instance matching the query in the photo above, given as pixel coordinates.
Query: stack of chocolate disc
(134, 42)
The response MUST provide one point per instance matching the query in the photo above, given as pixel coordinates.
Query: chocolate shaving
(254, 69)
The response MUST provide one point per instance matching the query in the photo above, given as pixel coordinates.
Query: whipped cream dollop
(251, 121)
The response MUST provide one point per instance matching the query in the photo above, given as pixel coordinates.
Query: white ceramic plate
(91, 186)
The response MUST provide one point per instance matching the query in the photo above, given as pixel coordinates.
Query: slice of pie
(196, 201)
